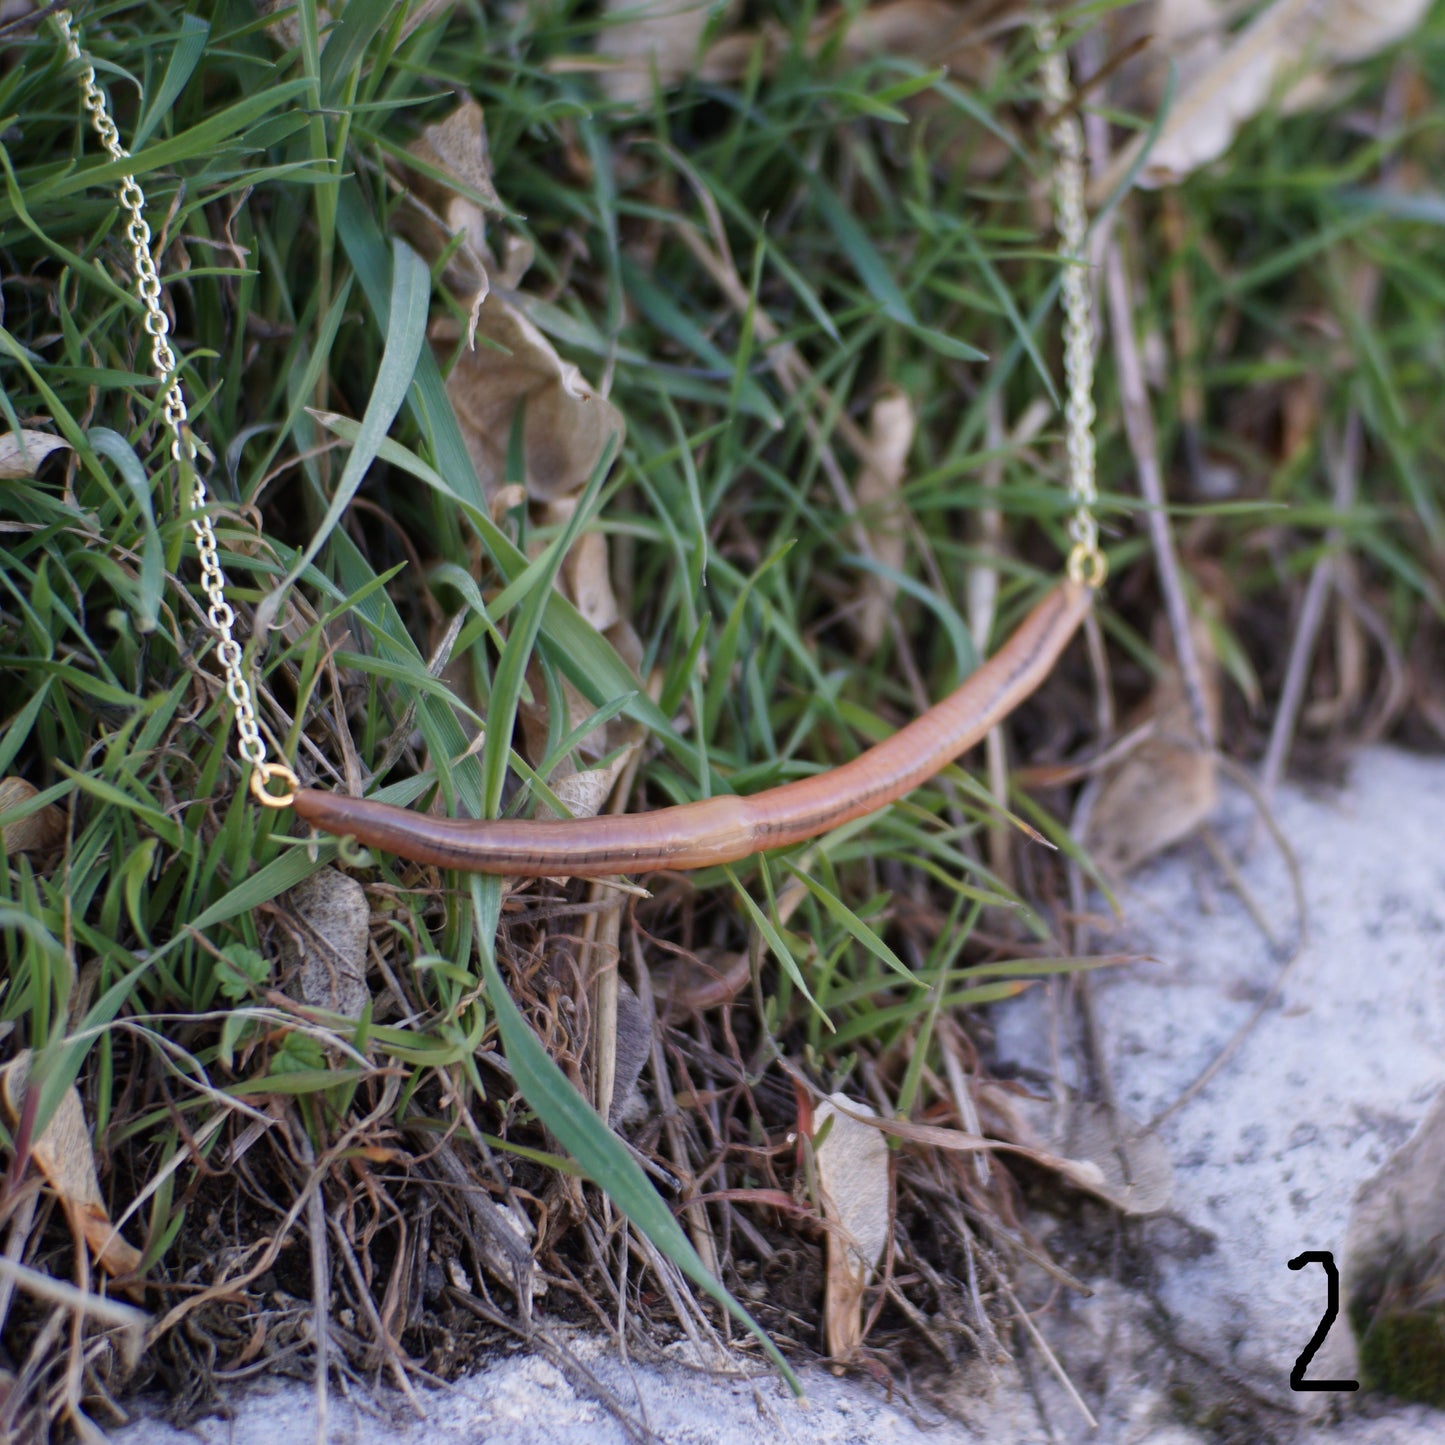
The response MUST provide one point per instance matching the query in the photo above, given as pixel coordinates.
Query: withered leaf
(1094, 1146)
(22, 452)
(853, 1193)
(458, 147)
(34, 833)
(1166, 786)
(891, 424)
(324, 942)
(567, 425)
(453, 198)
(634, 1048)
(643, 38)
(1284, 54)
(64, 1155)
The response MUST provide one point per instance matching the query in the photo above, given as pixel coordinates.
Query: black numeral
(1297, 1379)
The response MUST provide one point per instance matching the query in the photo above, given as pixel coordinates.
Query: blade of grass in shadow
(260, 887)
(512, 665)
(190, 46)
(431, 408)
(777, 944)
(346, 43)
(57, 1065)
(861, 252)
(859, 930)
(582, 1133)
(673, 322)
(405, 329)
(210, 137)
(448, 744)
(152, 555)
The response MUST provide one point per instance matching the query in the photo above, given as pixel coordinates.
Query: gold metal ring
(262, 774)
(1088, 566)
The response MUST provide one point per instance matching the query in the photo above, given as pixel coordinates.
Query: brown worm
(726, 828)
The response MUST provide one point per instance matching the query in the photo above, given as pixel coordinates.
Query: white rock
(1332, 1079)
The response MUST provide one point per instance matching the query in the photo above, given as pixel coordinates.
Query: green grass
(138, 958)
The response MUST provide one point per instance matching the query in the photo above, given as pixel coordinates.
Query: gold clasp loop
(1088, 565)
(261, 776)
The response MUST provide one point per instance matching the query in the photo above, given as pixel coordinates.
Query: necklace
(725, 828)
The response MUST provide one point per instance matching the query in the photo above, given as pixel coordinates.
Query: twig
(1345, 464)
(320, 1284)
(1139, 426)
(399, 1363)
(103, 1310)
(21, 1218)
(1050, 1357)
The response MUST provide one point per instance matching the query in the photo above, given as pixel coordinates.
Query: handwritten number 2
(1297, 1379)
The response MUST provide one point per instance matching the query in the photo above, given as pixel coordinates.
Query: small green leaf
(240, 970)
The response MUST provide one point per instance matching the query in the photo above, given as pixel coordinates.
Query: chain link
(1087, 563)
(220, 615)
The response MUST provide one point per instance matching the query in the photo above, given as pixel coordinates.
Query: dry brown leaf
(919, 29)
(634, 1048)
(586, 578)
(852, 1172)
(1131, 1181)
(32, 834)
(456, 203)
(64, 1155)
(457, 147)
(567, 425)
(643, 38)
(1163, 789)
(1355, 29)
(1094, 1146)
(1283, 54)
(951, 33)
(323, 942)
(660, 39)
(285, 29)
(705, 979)
(891, 424)
(22, 452)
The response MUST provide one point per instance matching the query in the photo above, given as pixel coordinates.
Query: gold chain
(221, 617)
(1087, 563)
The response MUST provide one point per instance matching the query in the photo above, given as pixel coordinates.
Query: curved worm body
(724, 829)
